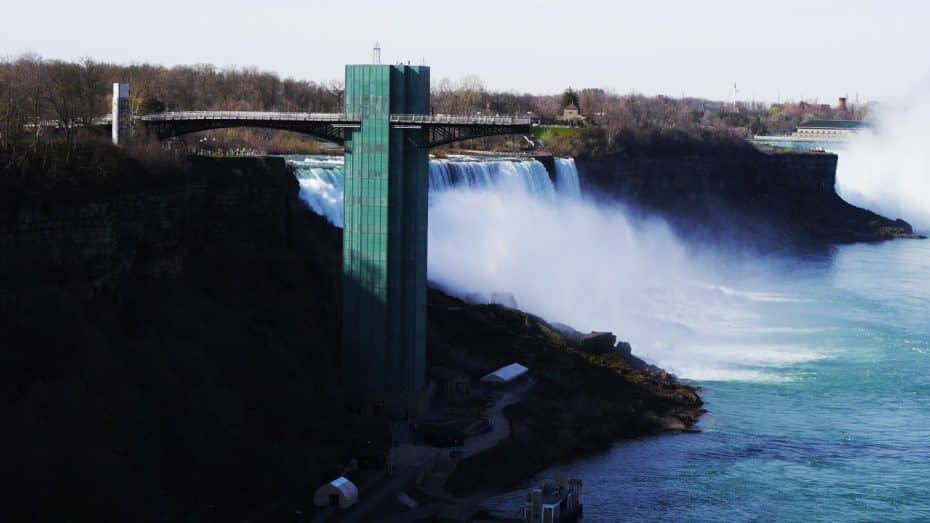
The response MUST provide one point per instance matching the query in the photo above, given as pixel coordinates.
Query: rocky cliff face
(92, 239)
(744, 195)
(586, 392)
(169, 349)
(168, 346)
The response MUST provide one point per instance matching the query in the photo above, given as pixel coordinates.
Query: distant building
(830, 129)
(571, 114)
(553, 503)
(841, 104)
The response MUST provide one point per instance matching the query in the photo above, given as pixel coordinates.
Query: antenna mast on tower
(376, 54)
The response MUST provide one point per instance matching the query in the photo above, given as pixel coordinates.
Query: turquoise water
(803, 146)
(840, 436)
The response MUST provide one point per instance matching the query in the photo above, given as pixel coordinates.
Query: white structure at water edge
(554, 503)
(505, 374)
(830, 129)
(339, 492)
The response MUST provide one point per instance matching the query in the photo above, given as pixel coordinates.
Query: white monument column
(122, 114)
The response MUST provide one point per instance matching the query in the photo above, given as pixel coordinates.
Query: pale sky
(788, 50)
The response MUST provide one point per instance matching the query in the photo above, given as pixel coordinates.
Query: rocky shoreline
(583, 397)
(155, 325)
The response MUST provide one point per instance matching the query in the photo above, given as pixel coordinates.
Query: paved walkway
(408, 460)
(495, 415)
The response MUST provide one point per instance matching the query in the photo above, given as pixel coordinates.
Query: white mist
(503, 227)
(889, 171)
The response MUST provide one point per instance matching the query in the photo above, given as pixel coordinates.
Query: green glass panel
(384, 242)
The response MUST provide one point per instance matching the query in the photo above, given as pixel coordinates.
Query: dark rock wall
(90, 241)
(168, 347)
(740, 194)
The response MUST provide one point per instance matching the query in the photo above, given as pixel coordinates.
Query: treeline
(34, 91)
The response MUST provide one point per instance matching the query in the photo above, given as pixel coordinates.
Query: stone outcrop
(598, 342)
(578, 402)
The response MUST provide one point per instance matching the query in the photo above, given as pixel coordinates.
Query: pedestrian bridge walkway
(440, 129)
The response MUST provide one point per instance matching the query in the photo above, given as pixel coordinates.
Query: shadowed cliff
(168, 345)
(169, 348)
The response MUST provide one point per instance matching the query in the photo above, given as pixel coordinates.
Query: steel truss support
(327, 131)
(446, 134)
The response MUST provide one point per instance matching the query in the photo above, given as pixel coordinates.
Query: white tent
(339, 491)
(506, 374)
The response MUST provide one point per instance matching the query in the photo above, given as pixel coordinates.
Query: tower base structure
(384, 239)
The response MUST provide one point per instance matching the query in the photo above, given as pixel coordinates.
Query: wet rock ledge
(583, 397)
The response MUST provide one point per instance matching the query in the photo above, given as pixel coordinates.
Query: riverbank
(170, 341)
(580, 400)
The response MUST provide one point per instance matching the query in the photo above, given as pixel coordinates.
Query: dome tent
(339, 491)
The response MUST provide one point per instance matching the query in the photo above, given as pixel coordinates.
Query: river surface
(841, 435)
(815, 369)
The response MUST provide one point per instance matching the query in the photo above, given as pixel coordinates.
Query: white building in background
(572, 114)
(830, 129)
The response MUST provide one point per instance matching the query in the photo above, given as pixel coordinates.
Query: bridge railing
(54, 124)
(248, 115)
(330, 117)
(459, 120)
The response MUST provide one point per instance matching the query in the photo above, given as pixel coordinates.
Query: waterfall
(566, 177)
(528, 176)
(322, 182)
(504, 228)
(322, 185)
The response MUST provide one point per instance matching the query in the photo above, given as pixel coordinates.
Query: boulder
(624, 348)
(598, 342)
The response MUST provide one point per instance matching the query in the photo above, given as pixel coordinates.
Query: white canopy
(506, 374)
(344, 491)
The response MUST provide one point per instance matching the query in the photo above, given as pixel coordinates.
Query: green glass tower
(384, 239)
